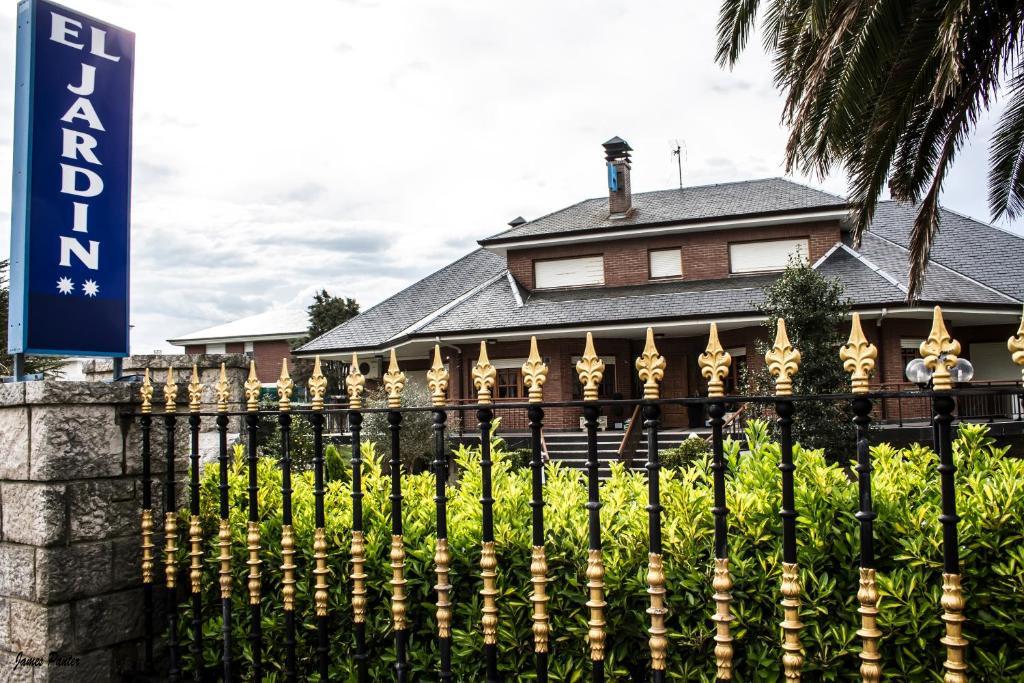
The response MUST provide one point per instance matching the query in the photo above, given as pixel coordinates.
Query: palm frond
(735, 23)
(1006, 156)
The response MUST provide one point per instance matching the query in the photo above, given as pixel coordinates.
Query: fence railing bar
(224, 532)
(284, 391)
(195, 529)
(535, 374)
(317, 387)
(437, 383)
(171, 530)
(252, 537)
(484, 375)
(145, 426)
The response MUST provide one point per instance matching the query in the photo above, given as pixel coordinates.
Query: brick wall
(705, 254)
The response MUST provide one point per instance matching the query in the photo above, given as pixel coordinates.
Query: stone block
(74, 571)
(12, 393)
(15, 668)
(65, 393)
(37, 630)
(97, 666)
(107, 619)
(102, 509)
(17, 571)
(34, 514)
(127, 564)
(75, 442)
(14, 429)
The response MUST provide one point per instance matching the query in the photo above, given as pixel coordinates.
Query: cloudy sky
(357, 145)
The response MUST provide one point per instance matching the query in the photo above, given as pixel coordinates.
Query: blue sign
(70, 213)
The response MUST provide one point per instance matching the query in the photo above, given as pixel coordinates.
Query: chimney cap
(517, 221)
(617, 148)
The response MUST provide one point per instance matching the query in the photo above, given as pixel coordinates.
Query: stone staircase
(570, 448)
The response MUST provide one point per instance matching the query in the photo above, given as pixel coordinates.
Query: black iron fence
(939, 351)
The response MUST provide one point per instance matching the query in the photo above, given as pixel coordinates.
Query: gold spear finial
(858, 356)
(783, 361)
(355, 384)
(146, 392)
(195, 391)
(590, 369)
(437, 379)
(285, 385)
(394, 382)
(221, 390)
(252, 389)
(535, 373)
(650, 367)
(714, 364)
(484, 375)
(317, 386)
(1015, 344)
(170, 391)
(940, 352)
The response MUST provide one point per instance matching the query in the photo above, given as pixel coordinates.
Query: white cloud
(357, 146)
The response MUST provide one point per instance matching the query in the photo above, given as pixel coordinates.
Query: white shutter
(666, 263)
(216, 348)
(569, 272)
(767, 256)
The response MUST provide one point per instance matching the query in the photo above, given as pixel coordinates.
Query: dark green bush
(689, 452)
(990, 499)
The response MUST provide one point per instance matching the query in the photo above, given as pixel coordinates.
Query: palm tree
(889, 90)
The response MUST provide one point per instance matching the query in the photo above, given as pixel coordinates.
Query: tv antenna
(678, 151)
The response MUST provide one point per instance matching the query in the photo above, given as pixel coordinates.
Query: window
(216, 348)
(509, 383)
(569, 272)
(604, 390)
(247, 347)
(766, 256)
(665, 262)
(737, 376)
(909, 350)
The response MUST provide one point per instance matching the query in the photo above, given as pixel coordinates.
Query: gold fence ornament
(224, 543)
(590, 369)
(147, 546)
(398, 597)
(252, 544)
(783, 361)
(442, 562)
(714, 364)
(437, 379)
(596, 604)
(222, 391)
(953, 604)
(285, 386)
(321, 571)
(317, 386)
(792, 650)
(722, 583)
(858, 356)
(650, 367)
(355, 384)
(484, 375)
(656, 589)
(1015, 344)
(940, 352)
(195, 538)
(870, 658)
(170, 548)
(489, 574)
(394, 382)
(146, 393)
(252, 388)
(170, 391)
(535, 373)
(539, 598)
(195, 391)
(288, 567)
(358, 576)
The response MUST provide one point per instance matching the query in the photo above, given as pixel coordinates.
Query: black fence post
(252, 536)
(148, 559)
(714, 364)
(317, 389)
(590, 369)
(651, 370)
(783, 361)
(394, 382)
(484, 375)
(224, 532)
(437, 383)
(285, 385)
(171, 530)
(195, 529)
(535, 374)
(355, 383)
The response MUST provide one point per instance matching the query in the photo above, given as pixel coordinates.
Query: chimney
(620, 199)
(517, 221)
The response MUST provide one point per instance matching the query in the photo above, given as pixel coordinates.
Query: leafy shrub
(689, 451)
(416, 444)
(906, 492)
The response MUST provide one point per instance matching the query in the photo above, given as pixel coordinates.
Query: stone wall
(70, 504)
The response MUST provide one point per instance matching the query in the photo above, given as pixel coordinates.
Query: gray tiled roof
(376, 325)
(979, 251)
(768, 195)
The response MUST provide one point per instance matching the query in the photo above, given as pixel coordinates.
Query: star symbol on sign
(65, 285)
(91, 288)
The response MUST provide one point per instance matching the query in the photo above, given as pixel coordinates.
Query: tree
(328, 311)
(47, 365)
(889, 90)
(815, 312)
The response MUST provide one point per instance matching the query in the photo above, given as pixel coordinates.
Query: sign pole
(19, 367)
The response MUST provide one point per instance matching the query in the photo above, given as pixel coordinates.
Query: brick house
(677, 260)
(267, 337)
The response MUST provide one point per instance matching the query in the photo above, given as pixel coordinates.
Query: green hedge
(990, 489)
